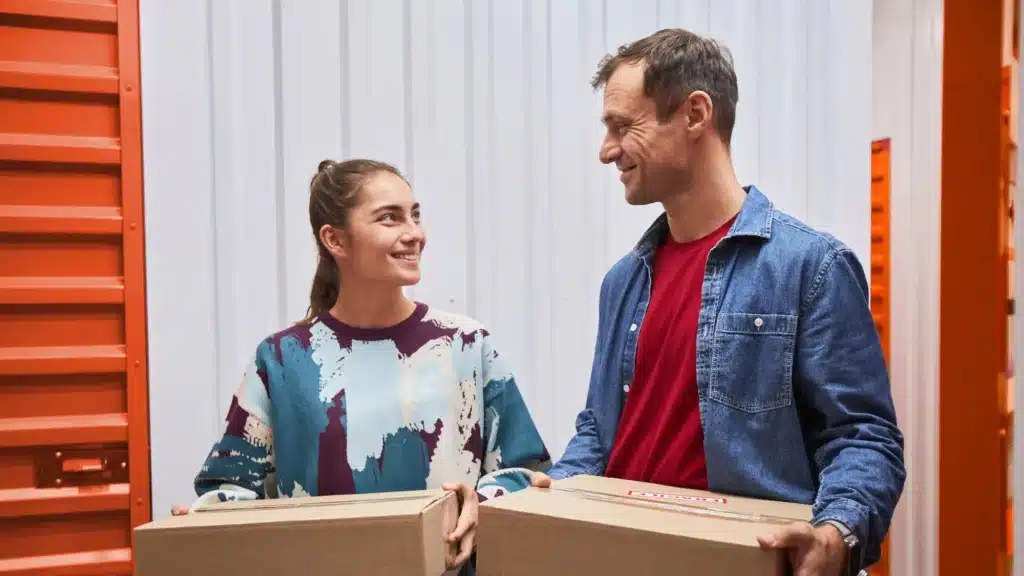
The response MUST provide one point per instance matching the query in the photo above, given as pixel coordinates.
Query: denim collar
(754, 220)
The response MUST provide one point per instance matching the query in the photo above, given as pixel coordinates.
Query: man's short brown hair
(677, 63)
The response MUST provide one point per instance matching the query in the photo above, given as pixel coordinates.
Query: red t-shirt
(660, 438)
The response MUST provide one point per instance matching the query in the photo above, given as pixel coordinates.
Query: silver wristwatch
(854, 550)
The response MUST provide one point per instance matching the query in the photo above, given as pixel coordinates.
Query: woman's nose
(414, 234)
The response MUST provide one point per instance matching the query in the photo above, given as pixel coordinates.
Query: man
(736, 350)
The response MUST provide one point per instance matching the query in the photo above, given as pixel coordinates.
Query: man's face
(652, 157)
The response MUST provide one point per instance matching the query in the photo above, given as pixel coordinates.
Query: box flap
(684, 499)
(376, 508)
(655, 509)
(416, 499)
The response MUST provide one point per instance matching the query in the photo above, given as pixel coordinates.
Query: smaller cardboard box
(603, 526)
(389, 533)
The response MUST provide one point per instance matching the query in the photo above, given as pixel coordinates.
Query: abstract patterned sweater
(326, 408)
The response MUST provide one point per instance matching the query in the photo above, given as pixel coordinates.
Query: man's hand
(179, 510)
(465, 531)
(540, 480)
(812, 551)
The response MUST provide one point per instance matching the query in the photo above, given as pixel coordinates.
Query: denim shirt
(794, 393)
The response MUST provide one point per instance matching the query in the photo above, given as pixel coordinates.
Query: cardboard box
(390, 533)
(603, 526)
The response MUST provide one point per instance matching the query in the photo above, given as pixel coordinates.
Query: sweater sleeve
(241, 464)
(513, 448)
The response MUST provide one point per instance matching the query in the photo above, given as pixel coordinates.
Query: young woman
(372, 392)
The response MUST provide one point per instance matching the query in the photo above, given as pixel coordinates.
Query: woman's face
(383, 240)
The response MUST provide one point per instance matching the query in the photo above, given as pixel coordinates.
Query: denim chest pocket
(752, 361)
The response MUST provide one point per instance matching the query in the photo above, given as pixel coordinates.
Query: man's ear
(697, 112)
(333, 240)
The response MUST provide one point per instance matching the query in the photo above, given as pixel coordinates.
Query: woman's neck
(372, 307)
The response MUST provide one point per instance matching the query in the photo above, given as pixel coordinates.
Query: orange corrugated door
(881, 187)
(74, 455)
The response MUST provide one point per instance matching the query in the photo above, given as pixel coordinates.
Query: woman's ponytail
(324, 292)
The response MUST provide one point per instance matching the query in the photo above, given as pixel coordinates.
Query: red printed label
(705, 499)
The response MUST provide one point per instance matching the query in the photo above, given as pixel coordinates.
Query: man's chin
(636, 198)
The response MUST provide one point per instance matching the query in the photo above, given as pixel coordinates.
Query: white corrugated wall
(486, 106)
(907, 102)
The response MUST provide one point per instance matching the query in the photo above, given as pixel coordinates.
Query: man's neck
(371, 306)
(712, 199)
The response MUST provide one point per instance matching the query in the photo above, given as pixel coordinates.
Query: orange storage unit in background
(74, 454)
(881, 193)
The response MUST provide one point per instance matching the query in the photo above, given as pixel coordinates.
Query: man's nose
(610, 151)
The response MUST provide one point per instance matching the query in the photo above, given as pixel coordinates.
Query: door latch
(82, 467)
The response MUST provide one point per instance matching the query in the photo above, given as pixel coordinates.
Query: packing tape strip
(641, 502)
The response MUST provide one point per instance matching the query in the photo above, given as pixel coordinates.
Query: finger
(783, 563)
(460, 530)
(789, 536)
(467, 521)
(464, 491)
(449, 562)
(468, 493)
(540, 480)
(179, 511)
(466, 548)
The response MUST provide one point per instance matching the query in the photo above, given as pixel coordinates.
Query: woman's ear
(333, 240)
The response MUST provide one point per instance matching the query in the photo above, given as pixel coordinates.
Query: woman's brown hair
(333, 192)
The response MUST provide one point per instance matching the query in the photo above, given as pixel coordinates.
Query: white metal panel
(840, 74)
(784, 99)
(245, 164)
(486, 105)
(181, 287)
(441, 139)
(738, 25)
(907, 108)
(312, 122)
(572, 195)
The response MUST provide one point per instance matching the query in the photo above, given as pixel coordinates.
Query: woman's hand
(179, 510)
(465, 531)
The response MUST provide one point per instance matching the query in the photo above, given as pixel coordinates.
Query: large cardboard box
(390, 533)
(603, 526)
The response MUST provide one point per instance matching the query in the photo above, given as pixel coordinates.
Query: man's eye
(386, 217)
